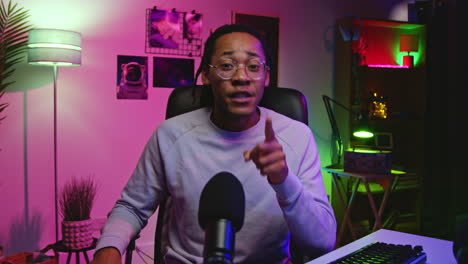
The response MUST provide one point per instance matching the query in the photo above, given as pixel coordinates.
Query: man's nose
(241, 73)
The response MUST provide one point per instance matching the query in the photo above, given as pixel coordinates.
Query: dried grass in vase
(77, 198)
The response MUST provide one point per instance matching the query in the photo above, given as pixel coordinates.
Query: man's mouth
(240, 95)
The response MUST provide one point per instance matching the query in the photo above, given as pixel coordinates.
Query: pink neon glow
(386, 66)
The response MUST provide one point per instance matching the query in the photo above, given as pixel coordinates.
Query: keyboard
(379, 252)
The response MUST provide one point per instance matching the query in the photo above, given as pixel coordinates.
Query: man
(274, 157)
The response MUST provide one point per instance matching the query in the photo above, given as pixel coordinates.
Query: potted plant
(14, 27)
(76, 201)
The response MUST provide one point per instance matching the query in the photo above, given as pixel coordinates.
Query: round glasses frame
(228, 75)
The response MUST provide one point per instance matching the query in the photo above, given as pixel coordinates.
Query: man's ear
(267, 78)
(205, 79)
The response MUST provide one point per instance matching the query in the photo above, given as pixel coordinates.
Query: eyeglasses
(226, 69)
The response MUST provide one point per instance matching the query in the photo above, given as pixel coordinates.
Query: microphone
(221, 215)
(460, 245)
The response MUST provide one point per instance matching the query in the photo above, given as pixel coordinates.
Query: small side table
(60, 247)
(365, 178)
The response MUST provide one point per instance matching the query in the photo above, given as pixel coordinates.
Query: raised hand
(269, 157)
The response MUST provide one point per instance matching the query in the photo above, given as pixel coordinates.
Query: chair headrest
(286, 101)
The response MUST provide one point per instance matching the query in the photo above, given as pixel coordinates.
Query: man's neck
(235, 123)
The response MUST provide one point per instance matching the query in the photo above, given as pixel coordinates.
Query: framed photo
(172, 72)
(174, 33)
(269, 27)
(165, 29)
(383, 140)
(132, 77)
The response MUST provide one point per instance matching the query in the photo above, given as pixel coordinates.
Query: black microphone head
(460, 245)
(222, 198)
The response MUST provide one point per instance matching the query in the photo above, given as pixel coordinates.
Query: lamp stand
(55, 156)
(336, 137)
(54, 47)
(408, 61)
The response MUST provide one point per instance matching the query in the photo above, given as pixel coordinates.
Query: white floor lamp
(54, 47)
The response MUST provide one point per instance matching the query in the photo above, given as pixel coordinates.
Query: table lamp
(409, 43)
(361, 130)
(54, 47)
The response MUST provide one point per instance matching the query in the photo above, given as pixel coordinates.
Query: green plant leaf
(5, 85)
(17, 32)
(14, 27)
(3, 106)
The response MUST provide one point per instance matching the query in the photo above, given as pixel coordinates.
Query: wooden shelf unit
(404, 90)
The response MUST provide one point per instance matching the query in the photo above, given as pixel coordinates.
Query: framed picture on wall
(173, 32)
(269, 27)
(165, 29)
(172, 72)
(132, 77)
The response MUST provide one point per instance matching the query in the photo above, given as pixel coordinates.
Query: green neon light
(362, 150)
(398, 55)
(52, 45)
(363, 134)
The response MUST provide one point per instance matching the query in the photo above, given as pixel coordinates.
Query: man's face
(239, 96)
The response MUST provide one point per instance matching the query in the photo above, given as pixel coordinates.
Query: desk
(365, 178)
(437, 250)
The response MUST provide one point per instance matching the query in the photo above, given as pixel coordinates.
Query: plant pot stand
(59, 246)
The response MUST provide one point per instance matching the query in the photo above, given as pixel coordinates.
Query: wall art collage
(173, 33)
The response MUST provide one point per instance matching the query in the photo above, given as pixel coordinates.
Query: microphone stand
(219, 242)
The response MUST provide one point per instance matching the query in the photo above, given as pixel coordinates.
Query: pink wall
(101, 136)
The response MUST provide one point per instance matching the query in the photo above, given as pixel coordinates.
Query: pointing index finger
(269, 132)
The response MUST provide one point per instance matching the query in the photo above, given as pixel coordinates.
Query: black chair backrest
(286, 101)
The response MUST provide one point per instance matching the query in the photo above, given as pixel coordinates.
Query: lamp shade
(54, 47)
(409, 43)
(363, 131)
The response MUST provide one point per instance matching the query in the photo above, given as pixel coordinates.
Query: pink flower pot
(77, 234)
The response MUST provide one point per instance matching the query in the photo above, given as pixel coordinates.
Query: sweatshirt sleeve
(139, 199)
(304, 202)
